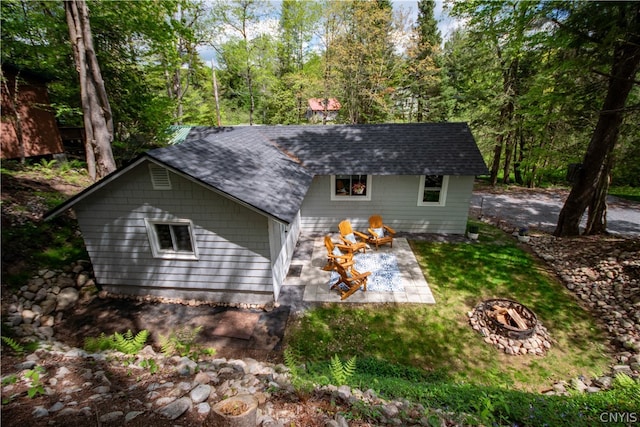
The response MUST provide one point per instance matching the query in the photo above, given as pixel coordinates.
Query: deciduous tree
(613, 30)
(98, 119)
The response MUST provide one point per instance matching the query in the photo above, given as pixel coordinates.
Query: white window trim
(443, 192)
(364, 198)
(165, 253)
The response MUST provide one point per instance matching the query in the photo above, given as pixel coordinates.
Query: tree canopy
(533, 79)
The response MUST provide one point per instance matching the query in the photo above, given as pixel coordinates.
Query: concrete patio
(308, 283)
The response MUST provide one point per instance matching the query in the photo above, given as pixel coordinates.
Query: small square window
(351, 187)
(433, 190)
(171, 239)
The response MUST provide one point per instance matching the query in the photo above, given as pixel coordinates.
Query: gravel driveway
(540, 209)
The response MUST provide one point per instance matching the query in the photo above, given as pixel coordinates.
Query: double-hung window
(433, 190)
(351, 187)
(172, 239)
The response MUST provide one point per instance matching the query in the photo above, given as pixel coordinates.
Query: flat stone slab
(236, 324)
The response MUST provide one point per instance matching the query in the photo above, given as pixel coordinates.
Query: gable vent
(159, 177)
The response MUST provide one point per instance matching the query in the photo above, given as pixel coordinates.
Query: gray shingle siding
(393, 197)
(232, 240)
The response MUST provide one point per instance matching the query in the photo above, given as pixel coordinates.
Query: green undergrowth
(483, 404)
(29, 243)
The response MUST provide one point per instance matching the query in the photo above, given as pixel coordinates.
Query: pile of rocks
(81, 383)
(39, 304)
(83, 386)
(583, 384)
(604, 274)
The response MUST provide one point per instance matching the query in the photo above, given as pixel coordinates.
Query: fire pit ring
(516, 321)
(510, 326)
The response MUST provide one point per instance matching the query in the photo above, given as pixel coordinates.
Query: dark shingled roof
(242, 164)
(271, 167)
(385, 149)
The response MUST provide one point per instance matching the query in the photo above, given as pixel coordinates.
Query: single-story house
(217, 216)
(322, 110)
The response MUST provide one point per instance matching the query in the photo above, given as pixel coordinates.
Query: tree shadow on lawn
(462, 275)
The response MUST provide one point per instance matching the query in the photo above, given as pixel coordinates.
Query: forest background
(529, 77)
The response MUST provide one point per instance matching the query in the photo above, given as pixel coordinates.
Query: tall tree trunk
(510, 91)
(177, 93)
(419, 117)
(14, 104)
(251, 97)
(497, 154)
(509, 149)
(215, 93)
(97, 116)
(517, 165)
(595, 166)
(597, 218)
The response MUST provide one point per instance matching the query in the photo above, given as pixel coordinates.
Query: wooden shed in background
(28, 110)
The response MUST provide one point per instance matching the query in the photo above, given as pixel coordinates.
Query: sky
(445, 23)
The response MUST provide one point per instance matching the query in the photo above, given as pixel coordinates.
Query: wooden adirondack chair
(336, 254)
(350, 237)
(379, 234)
(351, 279)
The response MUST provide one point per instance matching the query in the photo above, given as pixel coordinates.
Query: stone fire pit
(510, 326)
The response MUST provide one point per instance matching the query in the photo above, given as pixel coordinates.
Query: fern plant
(301, 385)
(13, 345)
(182, 342)
(291, 362)
(622, 380)
(150, 364)
(341, 372)
(97, 344)
(128, 343)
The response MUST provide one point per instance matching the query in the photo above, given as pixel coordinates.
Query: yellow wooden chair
(351, 279)
(350, 237)
(336, 254)
(379, 234)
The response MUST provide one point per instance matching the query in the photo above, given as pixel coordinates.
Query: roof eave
(68, 204)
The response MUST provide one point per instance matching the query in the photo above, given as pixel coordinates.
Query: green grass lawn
(438, 339)
(429, 353)
(626, 192)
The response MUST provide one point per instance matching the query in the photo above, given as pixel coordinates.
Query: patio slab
(306, 272)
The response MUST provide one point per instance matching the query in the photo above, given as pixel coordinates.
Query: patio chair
(336, 254)
(379, 234)
(350, 237)
(350, 280)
